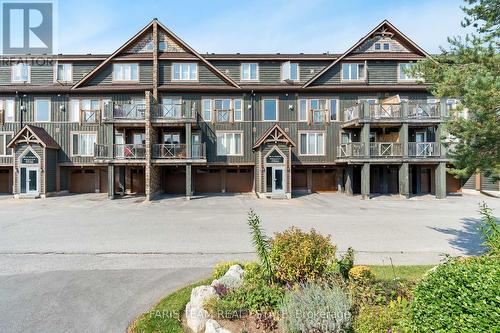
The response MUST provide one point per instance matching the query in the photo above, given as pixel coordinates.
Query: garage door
(299, 179)
(138, 181)
(239, 180)
(174, 181)
(452, 183)
(82, 181)
(324, 180)
(103, 180)
(208, 181)
(5, 181)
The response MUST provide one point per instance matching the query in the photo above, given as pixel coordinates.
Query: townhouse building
(157, 117)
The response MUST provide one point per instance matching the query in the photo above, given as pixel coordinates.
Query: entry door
(29, 178)
(279, 180)
(423, 148)
(196, 145)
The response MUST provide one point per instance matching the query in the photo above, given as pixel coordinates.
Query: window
(229, 143)
(125, 72)
(206, 109)
(377, 46)
(185, 71)
(387, 46)
(403, 67)
(318, 107)
(64, 73)
(345, 137)
(249, 72)
(82, 144)
(162, 46)
(21, 73)
(4, 141)
(222, 110)
(270, 110)
(352, 71)
(238, 110)
(290, 71)
(302, 110)
(312, 143)
(74, 110)
(9, 110)
(42, 110)
(334, 106)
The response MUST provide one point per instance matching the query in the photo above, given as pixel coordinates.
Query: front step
(277, 196)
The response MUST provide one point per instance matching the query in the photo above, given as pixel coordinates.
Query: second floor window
(222, 109)
(64, 73)
(4, 141)
(312, 143)
(229, 143)
(184, 72)
(290, 71)
(8, 108)
(20, 73)
(82, 144)
(270, 110)
(403, 68)
(42, 110)
(353, 71)
(125, 72)
(249, 72)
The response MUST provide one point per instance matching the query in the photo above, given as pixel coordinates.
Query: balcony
(424, 149)
(172, 113)
(178, 151)
(90, 116)
(351, 149)
(126, 112)
(424, 111)
(129, 151)
(386, 149)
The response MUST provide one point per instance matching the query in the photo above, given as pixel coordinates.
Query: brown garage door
(299, 179)
(239, 180)
(208, 181)
(452, 184)
(138, 181)
(174, 181)
(324, 180)
(82, 181)
(5, 181)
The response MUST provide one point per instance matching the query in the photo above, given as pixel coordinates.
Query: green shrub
(461, 295)
(490, 230)
(261, 243)
(361, 273)
(383, 318)
(299, 257)
(229, 307)
(316, 308)
(254, 274)
(346, 263)
(221, 268)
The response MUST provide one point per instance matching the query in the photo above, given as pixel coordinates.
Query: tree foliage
(468, 70)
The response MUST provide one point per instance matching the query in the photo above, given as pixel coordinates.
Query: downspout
(253, 120)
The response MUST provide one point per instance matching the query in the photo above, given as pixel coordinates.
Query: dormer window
(20, 73)
(387, 47)
(353, 71)
(249, 72)
(377, 47)
(290, 71)
(64, 73)
(126, 72)
(162, 46)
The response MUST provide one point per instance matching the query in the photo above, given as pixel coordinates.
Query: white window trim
(257, 72)
(185, 80)
(229, 132)
(399, 73)
(277, 109)
(383, 45)
(282, 78)
(19, 81)
(36, 111)
(307, 110)
(5, 143)
(56, 80)
(307, 145)
(4, 108)
(202, 110)
(337, 118)
(128, 81)
(353, 80)
(234, 109)
(71, 133)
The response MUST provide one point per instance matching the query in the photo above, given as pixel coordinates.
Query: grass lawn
(409, 273)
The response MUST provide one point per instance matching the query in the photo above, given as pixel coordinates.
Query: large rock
(214, 327)
(232, 279)
(235, 271)
(200, 294)
(196, 317)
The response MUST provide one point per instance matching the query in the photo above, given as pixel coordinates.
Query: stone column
(189, 191)
(404, 180)
(111, 181)
(365, 181)
(349, 170)
(440, 175)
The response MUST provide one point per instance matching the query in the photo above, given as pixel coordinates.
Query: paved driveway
(84, 263)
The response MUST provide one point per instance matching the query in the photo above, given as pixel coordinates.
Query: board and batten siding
(105, 75)
(205, 75)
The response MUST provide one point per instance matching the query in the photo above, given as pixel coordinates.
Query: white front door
(31, 181)
(279, 179)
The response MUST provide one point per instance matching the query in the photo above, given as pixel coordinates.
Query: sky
(254, 26)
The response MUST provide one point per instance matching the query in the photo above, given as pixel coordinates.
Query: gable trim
(287, 140)
(38, 139)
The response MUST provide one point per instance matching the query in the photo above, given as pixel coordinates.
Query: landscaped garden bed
(299, 284)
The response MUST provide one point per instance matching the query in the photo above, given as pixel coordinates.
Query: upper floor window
(185, 71)
(21, 73)
(229, 143)
(64, 73)
(224, 109)
(206, 109)
(403, 74)
(82, 144)
(270, 110)
(377, 47)
(249, 71)
(312, 143)
(387, 47)
(320, 110)
(353, 71)
(334, 107)
(42, 110)
(290, 71)
(7, 107)
(5, 138)
(125, 72)
(162, 46)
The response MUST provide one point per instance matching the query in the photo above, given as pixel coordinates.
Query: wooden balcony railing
(2, 117)
(385, 111)
(90, 116)
(351, 149)
(129, 151)
(171, 112)
(101, 151)
(351, 113)
(126, 112)
(424, 149)
(375, 111)
(386, 149)
(178, 151)
(424, 110)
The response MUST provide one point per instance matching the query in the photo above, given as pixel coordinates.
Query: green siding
(105, 75)
(382, 72)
